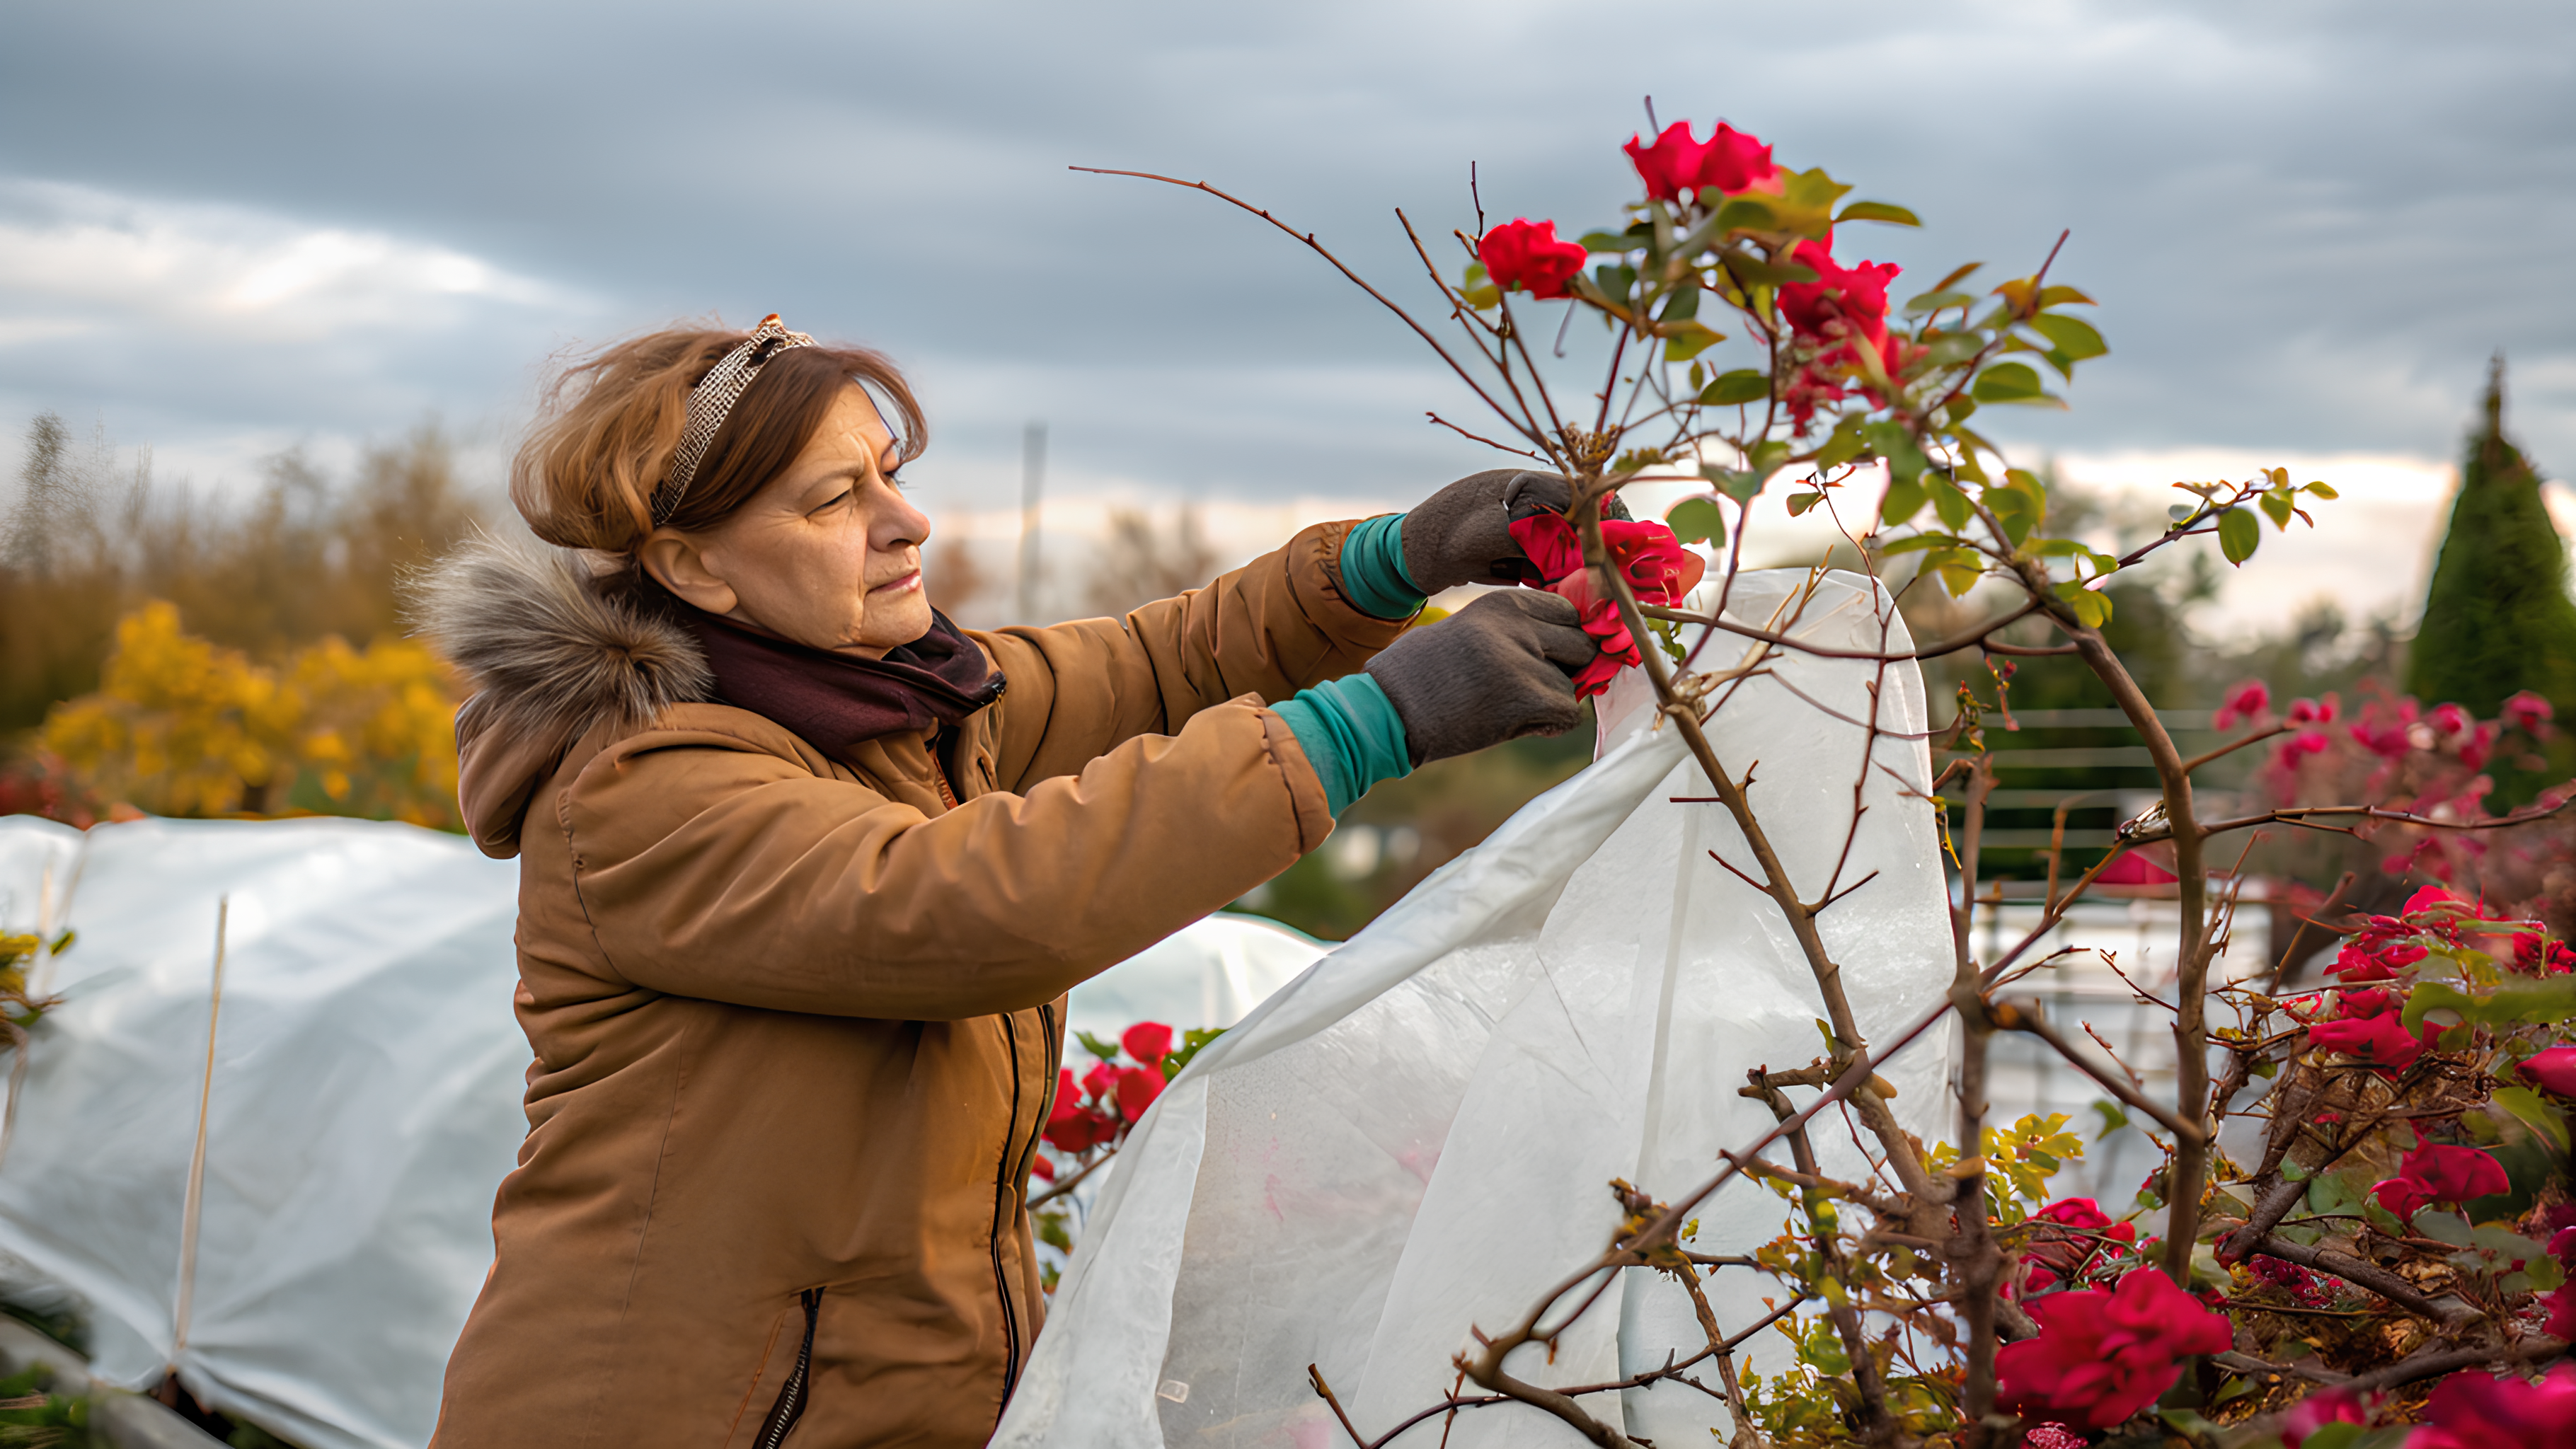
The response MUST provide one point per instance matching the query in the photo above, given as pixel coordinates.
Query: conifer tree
(2497, 618)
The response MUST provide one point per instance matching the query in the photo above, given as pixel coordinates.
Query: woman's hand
(1462, 534)
(1498, 669)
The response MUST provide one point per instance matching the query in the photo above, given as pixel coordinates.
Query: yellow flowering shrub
(181, 726)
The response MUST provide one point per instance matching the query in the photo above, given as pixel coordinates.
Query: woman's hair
(610, 422)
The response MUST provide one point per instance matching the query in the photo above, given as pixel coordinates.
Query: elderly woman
(807, 870)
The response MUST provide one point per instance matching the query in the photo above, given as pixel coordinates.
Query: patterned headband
(712, 400)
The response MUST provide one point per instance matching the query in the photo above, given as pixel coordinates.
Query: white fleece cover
(366, 1102)
(1416, 1135)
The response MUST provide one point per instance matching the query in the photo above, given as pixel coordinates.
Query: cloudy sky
(229, 229)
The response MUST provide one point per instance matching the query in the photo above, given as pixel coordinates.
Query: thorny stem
(1874, 1422)
(2191, 1029)
(1972, 1250)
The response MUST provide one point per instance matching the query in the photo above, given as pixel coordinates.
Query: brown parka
(797, 1020)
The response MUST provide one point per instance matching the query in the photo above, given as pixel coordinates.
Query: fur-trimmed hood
(551, 643)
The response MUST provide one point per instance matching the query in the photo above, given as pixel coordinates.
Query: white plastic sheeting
(365, 1105)
(1416, 1136)
(1212, 974)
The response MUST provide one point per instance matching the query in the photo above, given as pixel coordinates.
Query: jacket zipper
(1001, 1205)
(791, 1395)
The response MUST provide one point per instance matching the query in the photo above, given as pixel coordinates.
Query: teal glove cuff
(1351, 734)
(1373, 573)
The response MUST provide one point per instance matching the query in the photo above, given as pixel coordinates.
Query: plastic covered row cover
(1417, 1136)
(364, 1104)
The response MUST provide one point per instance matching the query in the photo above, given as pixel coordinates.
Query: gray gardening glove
(1496, 670)
(1463, 533)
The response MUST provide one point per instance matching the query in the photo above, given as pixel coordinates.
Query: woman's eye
(837, 499)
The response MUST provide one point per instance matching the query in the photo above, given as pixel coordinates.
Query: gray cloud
(2308, 223)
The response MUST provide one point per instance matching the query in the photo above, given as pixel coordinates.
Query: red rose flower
(1658, 569)
(2562, 1312)
(1071, 1126)
(2480, 744)
(1674, 163)
(2316, 1411)
(1843, 302)
(1137, 1089)
(1148, 1042)
(2527, 712)
(2311, 711)
(2076, 1230)
(2051, 1436)
(2553, 1070)
(2356, 1004)
(2476, 1411)
(2247, 701)
(2379, 1041)
(2366, 959)
(2101, 1356)
(2450, 719)
(2536, 955)
(2434, 898)
(1100, 1084)
(1042, 1166)
(1527, 254)
(2387, 741)
(2305, 742)
(2438, 1172)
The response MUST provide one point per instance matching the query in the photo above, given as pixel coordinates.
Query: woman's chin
(893, 623)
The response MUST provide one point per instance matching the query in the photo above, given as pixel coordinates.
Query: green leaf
(2091, 609)
(1917, 543)
(2239, 534)
(2322, 491)
(2014, 510)
(2059, 296)
(1752, 271)
(1949, 349)
(1936, 301)
(1895, 442)
(1844, 445)
(2072, 336)
(1689, 338)
(1904, 499)
(2532, 1108)
(2446, 1227)
(2008, 382)
(1878, 211)
(1949, 502)
(1107, 1051)
(2534, 1002)
(2331, 1436)
(1618, 241)
(1697, 520)
(1768, 456)
(2276, 505)
(1742, 487)
(1730, 389)
(1806, 201)
(1958, 568)
(1799, 503)
(1615, 280)
(1743, 213)
(2113, 1119)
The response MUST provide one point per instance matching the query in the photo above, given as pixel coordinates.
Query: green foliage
(2497, 618)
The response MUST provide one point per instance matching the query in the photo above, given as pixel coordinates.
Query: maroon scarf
(835, 701)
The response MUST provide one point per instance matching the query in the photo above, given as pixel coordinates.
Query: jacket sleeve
(1269, 628)
(718, 865)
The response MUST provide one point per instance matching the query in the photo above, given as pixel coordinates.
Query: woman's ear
(677, 563)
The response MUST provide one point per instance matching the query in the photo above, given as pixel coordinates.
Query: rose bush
(2101, 1356)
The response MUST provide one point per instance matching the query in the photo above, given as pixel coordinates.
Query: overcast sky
(226, 229)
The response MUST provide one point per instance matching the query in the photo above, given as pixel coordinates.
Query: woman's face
(828, 554)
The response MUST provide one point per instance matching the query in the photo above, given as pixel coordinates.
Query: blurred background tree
(2497, 619)
(191, 656)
